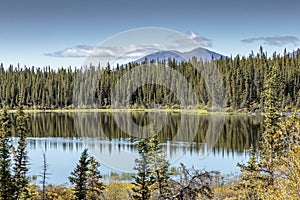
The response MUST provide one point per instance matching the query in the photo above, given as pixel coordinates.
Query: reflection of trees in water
(43, 144)
(50, 125)
(237, 134)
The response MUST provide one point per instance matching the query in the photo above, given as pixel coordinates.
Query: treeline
(240, 86)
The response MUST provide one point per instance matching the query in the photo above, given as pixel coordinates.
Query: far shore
(171, 110)
(195, 111)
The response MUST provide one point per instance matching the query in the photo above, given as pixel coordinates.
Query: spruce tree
(95, 186)
(152, 169)
(20, 158)
(272, 103)
(6, 187)
(259, 173)
(159, 166)
(79, 177)
(144, 178)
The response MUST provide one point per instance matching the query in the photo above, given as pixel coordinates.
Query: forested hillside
(243, 79)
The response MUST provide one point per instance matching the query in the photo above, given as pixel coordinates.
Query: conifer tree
(79, 176)
(259, 173)
(159, 166)
(6, 187)
(21, 158)
(272, 103)
(152, 169)
(95, 186)
(144, 178)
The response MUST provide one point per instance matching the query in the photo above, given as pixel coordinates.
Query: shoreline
(186, 111)
(94, 110)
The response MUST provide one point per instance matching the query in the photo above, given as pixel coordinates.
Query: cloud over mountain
(203, 41)
(79, 51)
(133, 51)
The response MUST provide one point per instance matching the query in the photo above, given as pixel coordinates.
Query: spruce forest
(243, 80)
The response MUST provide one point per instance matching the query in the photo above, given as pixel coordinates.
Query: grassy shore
(192, 111)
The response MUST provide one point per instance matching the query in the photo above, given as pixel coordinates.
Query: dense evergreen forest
(243, 78)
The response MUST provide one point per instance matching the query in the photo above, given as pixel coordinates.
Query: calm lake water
(210, 142)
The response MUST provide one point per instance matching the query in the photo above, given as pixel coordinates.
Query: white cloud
(190, 40)
(82, 51)
(131, 51)
(274, 40)
(203, 41)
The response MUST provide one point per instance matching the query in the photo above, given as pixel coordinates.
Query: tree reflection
(237, 134)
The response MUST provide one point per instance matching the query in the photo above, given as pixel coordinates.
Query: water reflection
(186, 138)
(238, 132)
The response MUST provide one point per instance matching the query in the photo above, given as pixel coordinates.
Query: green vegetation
(152, 170)
(6, 185)
(274, 170)
(243, 78)
(153, 180)
(86, 178)
(79, 176)
(144, 178)
(20, 156)
(13, 178)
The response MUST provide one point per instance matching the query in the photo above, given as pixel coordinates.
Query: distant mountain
(294, 53)
(199, 53)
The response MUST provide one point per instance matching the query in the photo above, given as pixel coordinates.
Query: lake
(210, 142)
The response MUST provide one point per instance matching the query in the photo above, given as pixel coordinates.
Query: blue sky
(34, 32)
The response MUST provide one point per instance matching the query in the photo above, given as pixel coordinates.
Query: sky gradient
(32, 31)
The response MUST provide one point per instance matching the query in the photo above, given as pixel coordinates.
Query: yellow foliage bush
(118, 191)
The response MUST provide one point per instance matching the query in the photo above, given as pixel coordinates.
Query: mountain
(199, 53)
(294, 53)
